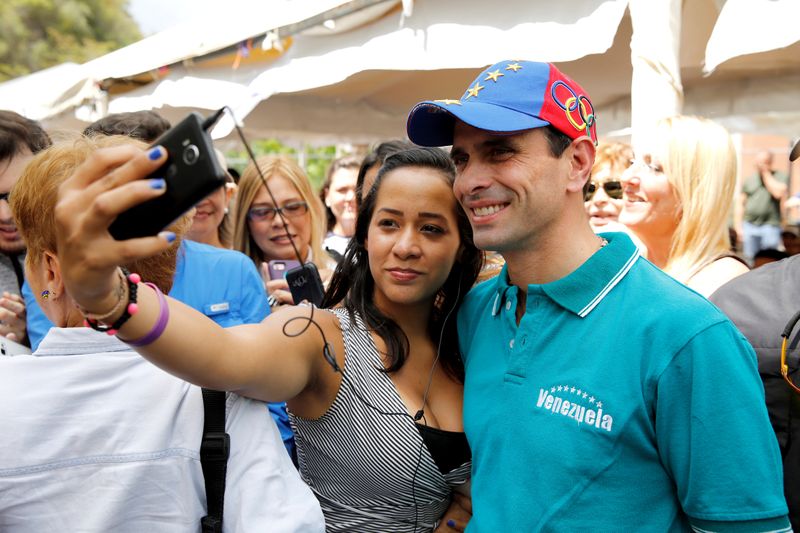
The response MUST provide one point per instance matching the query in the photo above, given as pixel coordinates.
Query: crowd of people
(516, 334)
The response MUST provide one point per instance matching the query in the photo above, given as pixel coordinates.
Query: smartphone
(9, 347)
(305, 284)
(278, 267)
(191, 172)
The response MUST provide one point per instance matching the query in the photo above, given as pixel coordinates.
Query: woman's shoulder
(716, 274)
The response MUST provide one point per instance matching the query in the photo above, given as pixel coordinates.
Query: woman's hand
(105, 185)
(278, 293)
(456, 516)
(12, 317)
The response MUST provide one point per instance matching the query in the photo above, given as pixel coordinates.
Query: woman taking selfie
(374, 386)
(259, 231)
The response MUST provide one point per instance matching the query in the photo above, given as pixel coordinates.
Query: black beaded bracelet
(130, 309)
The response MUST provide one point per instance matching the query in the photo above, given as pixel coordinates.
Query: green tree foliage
(36, 34)
(314, 159)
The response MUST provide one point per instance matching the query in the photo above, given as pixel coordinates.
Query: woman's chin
(599, 222)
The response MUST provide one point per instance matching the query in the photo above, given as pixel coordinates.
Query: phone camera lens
(191, 154)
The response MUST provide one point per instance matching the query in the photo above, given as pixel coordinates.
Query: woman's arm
(251, 360)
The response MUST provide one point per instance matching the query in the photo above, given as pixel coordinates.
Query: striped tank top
(362, 464)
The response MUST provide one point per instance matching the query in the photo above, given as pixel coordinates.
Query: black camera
(191, 173)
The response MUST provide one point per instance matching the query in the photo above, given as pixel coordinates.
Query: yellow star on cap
(493, 75)
(475, 90)
(447, 101)
(514, 66)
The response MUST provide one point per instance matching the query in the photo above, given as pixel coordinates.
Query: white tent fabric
(232, 23)
(470, 38)
(34, 95)
(751, 26)
(656, 88)
(49, 92)
(357, 82)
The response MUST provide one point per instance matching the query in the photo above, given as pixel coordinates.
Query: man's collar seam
(610, 285)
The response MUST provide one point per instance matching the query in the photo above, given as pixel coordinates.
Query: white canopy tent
(356, 77)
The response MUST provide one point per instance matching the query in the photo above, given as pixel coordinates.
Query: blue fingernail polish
(154, 153)
(451, 523)
(157, 183)
(168, 235)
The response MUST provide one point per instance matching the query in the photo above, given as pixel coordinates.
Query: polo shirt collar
(583, 289)
(78, 341)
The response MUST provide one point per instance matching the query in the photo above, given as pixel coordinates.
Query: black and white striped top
(361, 463)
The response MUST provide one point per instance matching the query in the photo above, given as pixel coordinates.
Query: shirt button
(511, 344)
(508, 306)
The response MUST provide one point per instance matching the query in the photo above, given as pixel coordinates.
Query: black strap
(214, 453)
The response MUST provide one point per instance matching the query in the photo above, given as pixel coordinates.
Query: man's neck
(551, 257)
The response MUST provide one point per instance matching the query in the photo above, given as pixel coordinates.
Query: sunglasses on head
(613, 189)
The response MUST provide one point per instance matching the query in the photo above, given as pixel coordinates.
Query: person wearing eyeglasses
(603, 197)
(677, 197)
(260, 230)
(763, 304)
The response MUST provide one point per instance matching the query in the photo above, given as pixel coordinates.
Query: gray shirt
(760, 303)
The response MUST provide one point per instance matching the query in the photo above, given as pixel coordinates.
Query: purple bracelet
(160, 325)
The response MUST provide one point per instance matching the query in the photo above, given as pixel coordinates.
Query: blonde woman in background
(678, 196)
(259, 231)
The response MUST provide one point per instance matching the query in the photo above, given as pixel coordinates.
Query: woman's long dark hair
(353, 285)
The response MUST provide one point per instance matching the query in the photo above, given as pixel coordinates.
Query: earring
(46, 295)
(226, 210)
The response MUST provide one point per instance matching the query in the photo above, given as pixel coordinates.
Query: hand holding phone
(191, 172)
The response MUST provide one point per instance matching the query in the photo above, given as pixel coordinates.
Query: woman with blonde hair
(678, 197)
(259, 230)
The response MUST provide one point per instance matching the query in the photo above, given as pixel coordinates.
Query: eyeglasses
(613, 189)
(290, 210)
(787, 332)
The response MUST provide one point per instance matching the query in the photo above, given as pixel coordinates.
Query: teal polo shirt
(623, 401)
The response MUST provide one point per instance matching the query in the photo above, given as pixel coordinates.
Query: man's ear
(581, 158)
(52, 272)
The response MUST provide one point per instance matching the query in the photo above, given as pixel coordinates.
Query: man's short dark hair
(557, 141)
(18, 133)
(143, 125)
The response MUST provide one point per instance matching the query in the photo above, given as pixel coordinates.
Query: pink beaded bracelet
(161, 322)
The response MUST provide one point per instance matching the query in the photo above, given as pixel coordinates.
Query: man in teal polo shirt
(600, 394)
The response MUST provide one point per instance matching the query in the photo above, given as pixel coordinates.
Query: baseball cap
(795, 153)
(507, 97)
